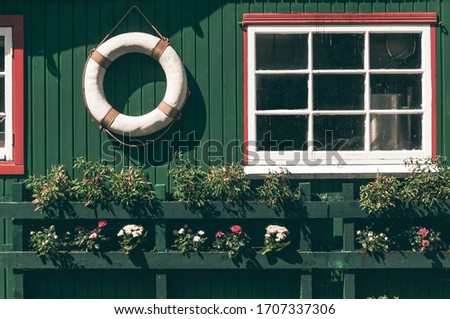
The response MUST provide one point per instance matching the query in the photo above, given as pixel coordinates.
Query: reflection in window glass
(284, 91)
(395, 51)
(2, 54)
(281, 51)
(339, 132)
(282, 133)
(338, 92)
(389, 91)
(396, 132)
(338, 51)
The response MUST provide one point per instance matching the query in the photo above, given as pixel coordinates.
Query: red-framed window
(338, 93)
(11, 95)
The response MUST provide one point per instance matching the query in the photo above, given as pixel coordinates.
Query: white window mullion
(6, 152)
(310, 97)
(367, 92)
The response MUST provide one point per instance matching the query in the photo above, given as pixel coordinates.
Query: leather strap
(100, 59)
(160, 48)
(109, 118)
(167, 109)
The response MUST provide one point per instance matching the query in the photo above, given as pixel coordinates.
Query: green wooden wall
(206, 34)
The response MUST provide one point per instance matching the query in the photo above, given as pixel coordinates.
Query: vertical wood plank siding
(207, 36)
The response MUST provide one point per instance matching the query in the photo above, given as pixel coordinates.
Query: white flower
(120, 233)
(358, 232)
(56, 237)
(267, 236)
(370, 234)
(32, 232)
(52, 228)
(385, 238)
(370, 238)
(277, 240)
(281, 236)
(46, 242)
(197, 239)
(181, 231)
(381, 235)
(201, 232)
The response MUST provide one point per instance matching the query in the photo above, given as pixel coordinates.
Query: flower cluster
(46, 241)
(275, 238)
(235, 242)
(90, 240)
(131, 236)
(188, 241)
(372, 241)
(423, 239)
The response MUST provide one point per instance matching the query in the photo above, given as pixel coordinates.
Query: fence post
(348, 243)
(160, 245)
(305, 245)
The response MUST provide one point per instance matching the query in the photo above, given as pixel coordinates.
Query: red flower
(102, 223)
(219, 234)
(93, 235)
(425, 243)
(236, 229)
(423, 232)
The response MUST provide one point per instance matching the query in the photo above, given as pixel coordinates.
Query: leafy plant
(276, 190)
(227, 183)
(130, 187)
(90, 240)
(275, 238)
(372, 241)
(235, 242)
(96, 184)
(423, 239)
(131, 236)
(189, 182)
(380, 195)
(47, 241)
(54, 190)
(188, 241)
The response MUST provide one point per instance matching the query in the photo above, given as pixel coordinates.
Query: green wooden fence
(322, 264)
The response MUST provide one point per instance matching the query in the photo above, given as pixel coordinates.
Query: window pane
(338, 92)
(396, 132)
(2, 135)
(284, 91)
(338, 51)
(396, 91)
(2, 95)
(281, 51)
(2, 54)
(395, 51)
(282, 133)
(339, 132)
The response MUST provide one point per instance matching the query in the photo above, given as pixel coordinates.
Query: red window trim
(343, 18)
(16, 166)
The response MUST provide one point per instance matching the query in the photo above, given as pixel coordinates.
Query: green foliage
(188, 241)
(189, 182)
(276, 190)
(423, 239)
(131, 237)
(380, 195)
(130, 187)
(372, 241)
(96, 184)
(227, 183)
(275, 238)
(235, 242)
(54, 190)
(428, 183)
(47, 241)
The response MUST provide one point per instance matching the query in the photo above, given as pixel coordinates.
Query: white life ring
(94, 73)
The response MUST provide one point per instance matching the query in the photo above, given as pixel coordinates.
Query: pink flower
(423, 232)
(224, 169)
(93, 235)
(102, 223)
(425, 243)
(219, 234)
(236, 229)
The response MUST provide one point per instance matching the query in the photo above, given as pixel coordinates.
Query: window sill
(11, 168)
(330, 171)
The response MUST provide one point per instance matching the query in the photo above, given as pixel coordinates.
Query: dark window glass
(2, 134)
(338, 92)
(396, 132)
(282, 133)
(338, 51)
(281, 51)
(2, 54)
(2, 95)
(339, 132)
(284, 91)
(395, 51)
(389, 91)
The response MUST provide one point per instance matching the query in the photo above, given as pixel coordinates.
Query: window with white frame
(6, 145)
(326, 97)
